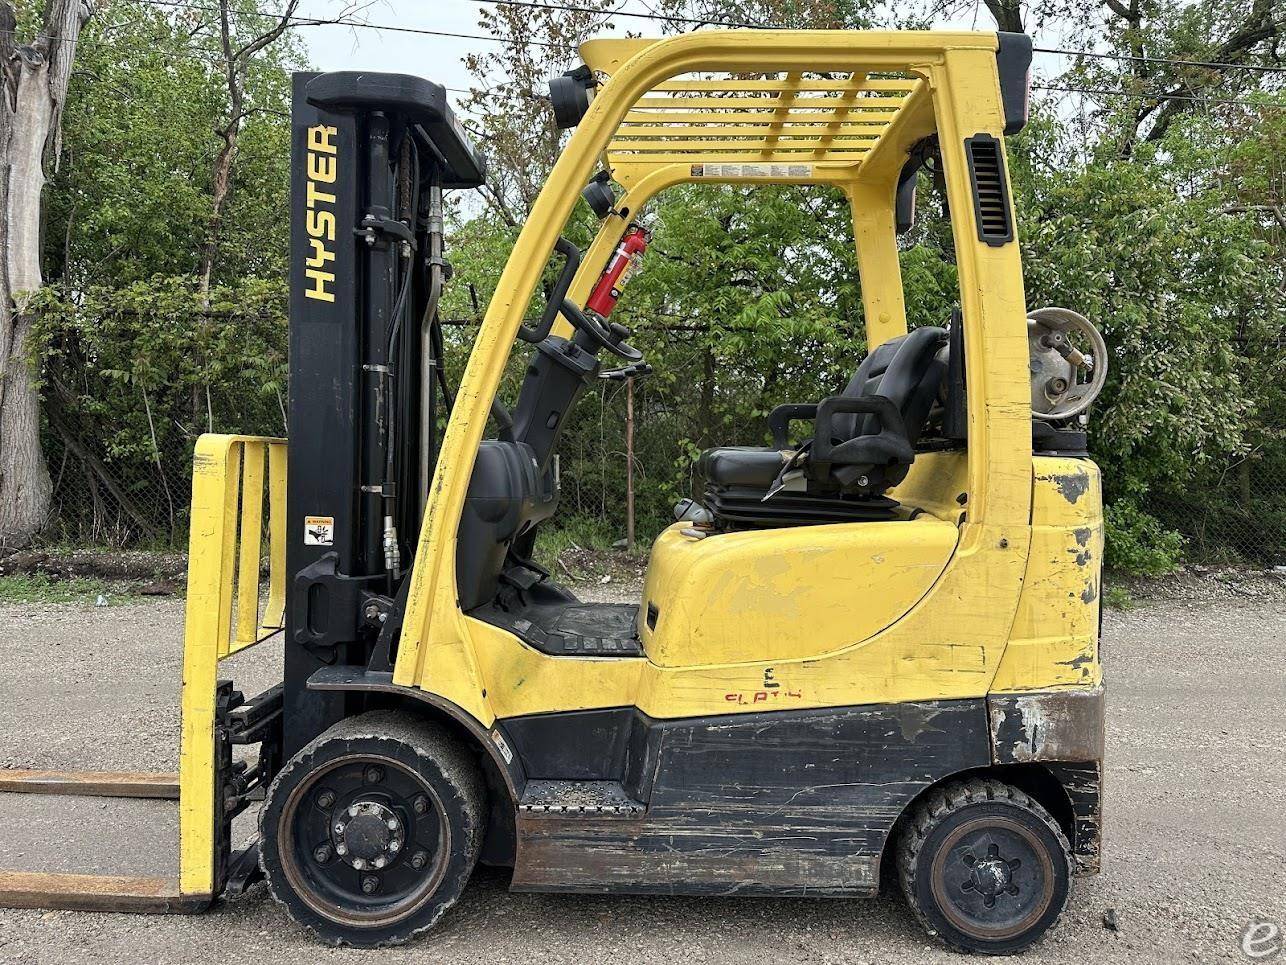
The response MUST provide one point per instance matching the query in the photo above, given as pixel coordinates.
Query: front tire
(984, 867)
(370, 832)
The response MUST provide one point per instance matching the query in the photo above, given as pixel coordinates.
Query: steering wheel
(600, 333)
(1065, 378)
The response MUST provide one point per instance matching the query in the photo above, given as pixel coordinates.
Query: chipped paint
(1055, 725)
(1057, 622)
(915, 719)
(1072, 485)
(1081, 661)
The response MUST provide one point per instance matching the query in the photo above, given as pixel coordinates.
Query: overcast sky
(435, 58)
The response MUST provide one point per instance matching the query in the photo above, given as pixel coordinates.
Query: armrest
(885, 411)
(780, 418)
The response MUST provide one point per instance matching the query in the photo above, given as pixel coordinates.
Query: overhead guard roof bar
(768, 117)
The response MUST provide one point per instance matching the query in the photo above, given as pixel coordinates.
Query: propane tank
(622, 264)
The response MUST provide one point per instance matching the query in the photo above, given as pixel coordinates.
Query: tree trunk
(219, 195)
(1008, 14)
(35, 83)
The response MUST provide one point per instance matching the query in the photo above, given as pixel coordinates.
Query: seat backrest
(906, 370)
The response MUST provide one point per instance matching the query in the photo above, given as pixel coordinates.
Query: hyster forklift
(864, 652)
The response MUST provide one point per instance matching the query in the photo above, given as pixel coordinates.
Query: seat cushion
(742, 465)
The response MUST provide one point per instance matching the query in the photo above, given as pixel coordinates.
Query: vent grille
(990, 190)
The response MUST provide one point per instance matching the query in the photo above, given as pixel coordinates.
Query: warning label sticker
(752, 170)
(319, 530)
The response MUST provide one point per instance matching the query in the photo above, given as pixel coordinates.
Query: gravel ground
(1195, 829)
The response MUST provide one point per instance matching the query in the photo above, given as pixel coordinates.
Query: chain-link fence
(1231, 507)
(102, 501)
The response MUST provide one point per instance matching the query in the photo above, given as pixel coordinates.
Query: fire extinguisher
(622, 264)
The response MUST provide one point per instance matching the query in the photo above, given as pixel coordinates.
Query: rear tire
(370, 832)
(984, 867)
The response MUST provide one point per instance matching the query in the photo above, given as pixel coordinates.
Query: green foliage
(1137, 543)
(135, 361)
(131, 198)
(138, 372)
(1117, 597)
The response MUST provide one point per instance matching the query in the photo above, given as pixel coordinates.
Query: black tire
(984, 867)
(382, 801)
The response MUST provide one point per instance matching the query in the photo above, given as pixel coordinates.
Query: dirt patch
(159, 571)
(1207, 585)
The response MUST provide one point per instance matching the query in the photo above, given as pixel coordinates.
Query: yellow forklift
(867, 650)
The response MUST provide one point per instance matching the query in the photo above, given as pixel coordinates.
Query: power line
(297, 21)
(669, 18)
(1197, 99)
(1212, 64)
(663, 17)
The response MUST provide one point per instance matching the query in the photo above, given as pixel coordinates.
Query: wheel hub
(991, 876)
(368, 834)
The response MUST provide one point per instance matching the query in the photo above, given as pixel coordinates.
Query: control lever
(634, 371)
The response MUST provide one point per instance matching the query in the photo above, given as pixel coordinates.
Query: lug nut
(325, 799)
(339, 827)
(322, 854)
(418, 860)
(359, 863)
(380, 862)
(394, 846)
(374, 775)
(421, 804)
(370, 884)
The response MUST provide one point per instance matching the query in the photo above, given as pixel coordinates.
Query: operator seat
(862, 445)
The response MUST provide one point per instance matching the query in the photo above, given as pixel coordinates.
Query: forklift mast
(370, 157)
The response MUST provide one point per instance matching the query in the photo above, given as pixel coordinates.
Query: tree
(127, 336)
(35, 79)
(237, 56)
(516, 128)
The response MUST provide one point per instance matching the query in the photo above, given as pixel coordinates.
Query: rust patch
(1090, 593)
(1053, 725)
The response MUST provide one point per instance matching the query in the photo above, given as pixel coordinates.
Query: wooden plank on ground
(140, 784)
(96, 893)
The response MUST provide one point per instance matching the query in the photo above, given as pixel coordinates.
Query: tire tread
(940, 804)
(461, 775)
